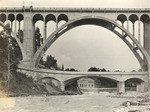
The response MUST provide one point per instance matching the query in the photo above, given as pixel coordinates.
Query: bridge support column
(44, 31)
(19, 31)
(62, 85)
(128, 24)
(147, 41)
(139, 33)
(141, 87)
(133, 32)
(147, 46)
(28, 39)
(121, 87)
(147, 37)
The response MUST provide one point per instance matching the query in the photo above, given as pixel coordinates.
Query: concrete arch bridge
(65, 77)
(74, 17)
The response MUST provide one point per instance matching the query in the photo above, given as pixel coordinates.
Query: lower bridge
(65, 77)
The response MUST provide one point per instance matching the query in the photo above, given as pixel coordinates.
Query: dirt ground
(102, 102)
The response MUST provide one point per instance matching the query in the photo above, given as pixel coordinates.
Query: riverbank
(72, 103)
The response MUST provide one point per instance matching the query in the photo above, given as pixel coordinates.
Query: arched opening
(122, 18)
(100, 21)
(2, 17)
(133, 84)
(50, 24)
(145, 18)
(37, 17)
(11, 17)
(39, 27)
(52, 85)
(20, 19)
(84, 50)
(91, 84)
(62, 19)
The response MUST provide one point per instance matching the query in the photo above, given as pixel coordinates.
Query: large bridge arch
(94, 20)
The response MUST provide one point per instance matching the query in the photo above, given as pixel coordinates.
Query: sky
(88, 46)
(79, 3)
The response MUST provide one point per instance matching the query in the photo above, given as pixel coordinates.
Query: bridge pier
(28, 39)
(141, 87)
(147, 46)
(121, 87)
(62, 85)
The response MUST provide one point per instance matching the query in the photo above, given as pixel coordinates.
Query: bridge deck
(52, 9)
(83, 73)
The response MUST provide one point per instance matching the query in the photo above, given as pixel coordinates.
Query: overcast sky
(80, 3)
(89, 45)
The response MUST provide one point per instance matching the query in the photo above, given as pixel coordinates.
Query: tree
(37, 38)
(10, 55)
(103, 70)
(70, 69)
(51, 62)
(93, 69)
(20, 35)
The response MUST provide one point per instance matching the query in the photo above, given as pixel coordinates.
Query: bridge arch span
(133, 77)
(48, 77)
(71, 79)
(94, 20)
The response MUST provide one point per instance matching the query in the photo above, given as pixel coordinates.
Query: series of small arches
(133, 18)
(129, 82)
(51, 17)
(63, 17)
(36, 17)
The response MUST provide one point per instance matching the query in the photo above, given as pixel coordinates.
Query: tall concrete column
(6, 17)
(28, 37)
(121, 87)
(133, 33)
(19, 30)
(11, 25)
(128, 24)
(44, 31)
(56, 24)
(139, 33)
(62, 85)
(122, 26)
(147, 44)
(147, 37)
(15, 30)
